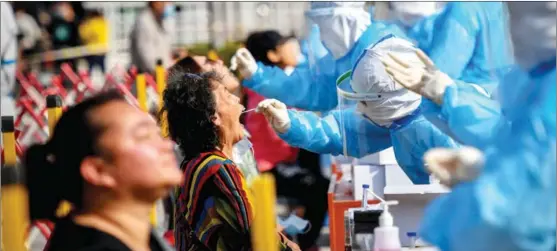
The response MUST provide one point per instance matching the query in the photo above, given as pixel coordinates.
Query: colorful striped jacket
(214, 208)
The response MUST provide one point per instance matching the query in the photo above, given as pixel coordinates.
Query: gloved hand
(276, 113)
(244, 62)
(428, 82)
(452, 166)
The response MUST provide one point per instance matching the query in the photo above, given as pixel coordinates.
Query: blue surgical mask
(294, 225)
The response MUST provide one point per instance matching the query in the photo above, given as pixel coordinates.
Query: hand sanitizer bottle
(386, 235)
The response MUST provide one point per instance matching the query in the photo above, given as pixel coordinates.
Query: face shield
(340, 24)
(372, 93)
(314, 53)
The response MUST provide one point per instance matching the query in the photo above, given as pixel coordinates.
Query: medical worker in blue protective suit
(463, 38)
(386, 115)
(467, 42)
(415, 18)
(461, 108)
(467, 112)
(511, 203)
(345, 30)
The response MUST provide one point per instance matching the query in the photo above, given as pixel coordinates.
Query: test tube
(412, 236)
(365, 187)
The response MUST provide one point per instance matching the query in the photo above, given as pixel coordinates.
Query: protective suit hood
(340, 23)
(388, 100)
(533, 32)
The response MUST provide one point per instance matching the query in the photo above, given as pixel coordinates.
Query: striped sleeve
(237, 212)
(220, 208)
(227, 225)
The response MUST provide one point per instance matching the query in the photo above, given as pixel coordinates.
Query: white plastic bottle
(386, 235)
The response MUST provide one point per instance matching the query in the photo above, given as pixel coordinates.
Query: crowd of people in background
(113, 168)
(48, 26)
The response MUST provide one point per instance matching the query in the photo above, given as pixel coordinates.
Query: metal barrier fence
(38, 107)
(42, 106)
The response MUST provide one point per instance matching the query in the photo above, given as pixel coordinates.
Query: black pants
(305, 183)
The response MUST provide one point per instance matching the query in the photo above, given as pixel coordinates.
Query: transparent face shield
(316, 55)
(358, 131)
(339, 29)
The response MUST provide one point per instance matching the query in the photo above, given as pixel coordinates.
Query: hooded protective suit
(386, 115)
(511, 205)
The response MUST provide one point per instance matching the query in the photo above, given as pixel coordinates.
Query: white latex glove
(428, 82)
(276, 114)
(244, 62)
(452, 166)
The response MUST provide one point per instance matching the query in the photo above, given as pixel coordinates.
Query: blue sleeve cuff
(256, 77)
(295, 134)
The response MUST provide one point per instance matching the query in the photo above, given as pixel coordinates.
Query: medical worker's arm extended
(511, 206)
(324, 135)
(454, 40)
(467, 114)
(302, 89)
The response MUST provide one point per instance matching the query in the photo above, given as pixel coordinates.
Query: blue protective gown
(511, 205)
(470, 116)
(468, 45)
(465, 40)
(313, 87)
(420, 33)
(468, 42)
(467, 115)
(410, 137)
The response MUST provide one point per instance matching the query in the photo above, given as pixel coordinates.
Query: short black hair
(190, 108)
(53, 169)
(260, 43)
(187, 64)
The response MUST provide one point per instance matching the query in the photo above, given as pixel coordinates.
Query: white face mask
(243, 156)
(340, 28)
(385, 112)
(410, 13)
(532, 26)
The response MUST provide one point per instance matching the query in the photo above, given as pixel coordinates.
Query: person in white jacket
(8, 57)
(150, 40)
